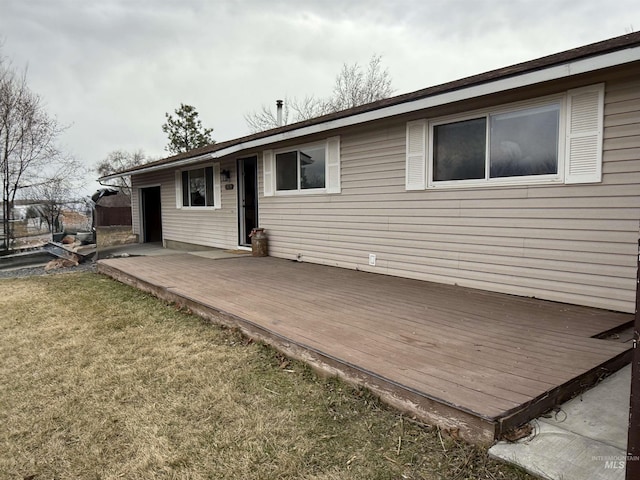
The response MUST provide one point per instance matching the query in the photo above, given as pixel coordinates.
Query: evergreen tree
(185, 131)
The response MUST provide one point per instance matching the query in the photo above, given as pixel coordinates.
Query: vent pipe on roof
(279, 112)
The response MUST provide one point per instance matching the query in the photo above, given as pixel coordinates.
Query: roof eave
(163, 166)
(524, 79)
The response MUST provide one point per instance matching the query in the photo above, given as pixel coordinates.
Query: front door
(151, 214)
(247, 198)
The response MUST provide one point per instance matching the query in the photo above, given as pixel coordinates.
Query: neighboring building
(112, 218)
(74, 221)
(113, 209)
(523, 180)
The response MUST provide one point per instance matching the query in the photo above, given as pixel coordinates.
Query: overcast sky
(110, 69)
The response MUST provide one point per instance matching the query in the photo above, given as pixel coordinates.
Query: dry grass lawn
(101, 381)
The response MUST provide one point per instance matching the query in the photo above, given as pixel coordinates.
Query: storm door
(247, 198)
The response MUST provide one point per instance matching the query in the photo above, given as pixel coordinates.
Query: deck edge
(560, 394)
(469, 426)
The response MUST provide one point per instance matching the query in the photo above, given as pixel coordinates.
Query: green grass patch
(101, 381)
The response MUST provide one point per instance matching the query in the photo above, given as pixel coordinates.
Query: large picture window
(518, 143)
(557, 139)
(198, 187)
(301, 169)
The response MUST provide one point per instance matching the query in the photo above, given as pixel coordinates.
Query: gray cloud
(111, 69)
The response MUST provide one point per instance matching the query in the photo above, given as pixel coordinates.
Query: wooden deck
(469, 360)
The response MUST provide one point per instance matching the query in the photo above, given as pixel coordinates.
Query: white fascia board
(164, 166)
(496, 86)
(554, 72)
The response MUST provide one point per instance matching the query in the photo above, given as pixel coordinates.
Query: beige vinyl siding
(568, 243)
(209, 227)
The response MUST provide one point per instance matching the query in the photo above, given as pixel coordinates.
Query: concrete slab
(156, 249)
(24, 259)
(136, 249)
(553, 453)
(601, 413)
(217, 253)
(586, 438)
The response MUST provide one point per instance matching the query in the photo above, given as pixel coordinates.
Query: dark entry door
(247, 198)
(151, 214)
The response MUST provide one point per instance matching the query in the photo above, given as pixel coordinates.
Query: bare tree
(27, 140)
(310, 107)
(117, 161)
(293, 109)
(265, 118)
(61, 187)
(353, 86)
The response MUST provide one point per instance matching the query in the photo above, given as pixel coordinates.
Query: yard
(99, 380)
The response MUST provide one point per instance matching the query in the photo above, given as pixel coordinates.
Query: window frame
(324, 144)
(486, 113)
(215, 187)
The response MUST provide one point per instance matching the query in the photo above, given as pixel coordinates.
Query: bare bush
(117, 161)
(353, 87)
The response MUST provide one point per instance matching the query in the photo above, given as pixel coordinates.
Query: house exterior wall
(568, 243)
(208, 227)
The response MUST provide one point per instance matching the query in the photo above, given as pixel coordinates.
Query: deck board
(484, 353)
